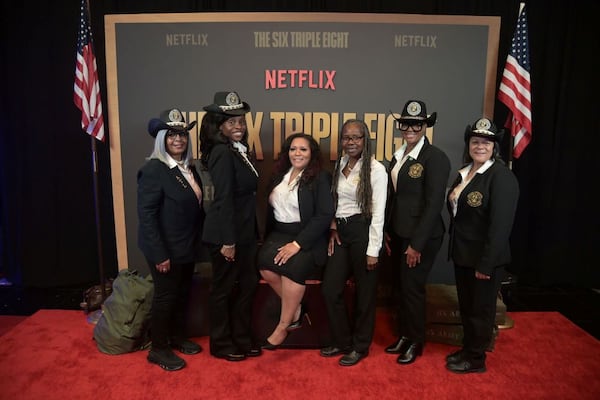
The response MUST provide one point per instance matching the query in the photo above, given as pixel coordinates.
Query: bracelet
(229, 246)
(296, 244)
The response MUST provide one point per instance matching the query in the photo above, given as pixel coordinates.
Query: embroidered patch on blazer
(474, 199)
(415, 170)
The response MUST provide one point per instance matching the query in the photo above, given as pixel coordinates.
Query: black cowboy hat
(171, 120)
(416, 111)
(228, 103)
(484, 128)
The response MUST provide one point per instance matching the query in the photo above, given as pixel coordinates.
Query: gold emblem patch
(232, 99)
(483, 124)
(415, 170)
(474, 199)
(175, 115)
(413, 108)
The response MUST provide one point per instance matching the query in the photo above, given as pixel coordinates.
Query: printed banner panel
(300, 72)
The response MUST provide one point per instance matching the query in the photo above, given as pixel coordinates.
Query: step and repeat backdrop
(300, 72)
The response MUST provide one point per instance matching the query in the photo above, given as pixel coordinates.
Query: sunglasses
(174, 134)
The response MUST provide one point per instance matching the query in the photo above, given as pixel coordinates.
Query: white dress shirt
(348, 205)
(284, 199)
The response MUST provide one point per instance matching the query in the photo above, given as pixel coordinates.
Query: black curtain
(47, 214)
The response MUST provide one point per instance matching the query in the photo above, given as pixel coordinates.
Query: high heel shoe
(297, 324)
(269, 346)
(266, 345)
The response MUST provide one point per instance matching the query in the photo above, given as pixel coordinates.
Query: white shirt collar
(464, 171)
(172, 163)
(239, 146)
(414, 153)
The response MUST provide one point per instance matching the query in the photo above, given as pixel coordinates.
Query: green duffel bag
(124, 324)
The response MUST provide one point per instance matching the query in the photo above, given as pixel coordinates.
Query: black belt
(352, 218)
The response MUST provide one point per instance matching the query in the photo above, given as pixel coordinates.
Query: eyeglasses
(354, 139)
(403, 126)
(174, 134)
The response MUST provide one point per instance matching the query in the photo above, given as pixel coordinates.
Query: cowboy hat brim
(156, 124)
(430, 120)
(215, 108)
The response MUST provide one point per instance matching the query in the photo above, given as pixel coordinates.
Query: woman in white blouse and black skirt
(300, 208)
(359, 189)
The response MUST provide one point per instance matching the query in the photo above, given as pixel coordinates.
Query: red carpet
(51, 355)
(7, 322)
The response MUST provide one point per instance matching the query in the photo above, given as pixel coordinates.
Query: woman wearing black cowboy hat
(169, 204)
(414, 228)
(482, 203)
(230, 229)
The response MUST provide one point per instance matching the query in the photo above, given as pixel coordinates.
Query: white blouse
(348, 205)
(284, 199)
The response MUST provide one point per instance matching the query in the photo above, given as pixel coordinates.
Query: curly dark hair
(283, 163)
(364, 190)
(210, 134)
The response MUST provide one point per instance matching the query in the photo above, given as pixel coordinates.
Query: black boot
(399, 346)
(411, 353)
(166, 359)
(185, 346)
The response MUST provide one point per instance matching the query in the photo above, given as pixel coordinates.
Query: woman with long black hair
(359, 189)
(230, 229)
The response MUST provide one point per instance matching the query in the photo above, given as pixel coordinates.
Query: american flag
(515, 87)
(87, 88)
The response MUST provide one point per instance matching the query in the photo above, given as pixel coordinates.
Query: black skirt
(298, 268)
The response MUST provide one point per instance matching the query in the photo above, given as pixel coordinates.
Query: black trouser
(351, 259)
(477, 303)
(231, 310)
(171, 292)
(412, 281)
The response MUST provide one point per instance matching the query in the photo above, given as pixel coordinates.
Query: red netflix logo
(299, 78)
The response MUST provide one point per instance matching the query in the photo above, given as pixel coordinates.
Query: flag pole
(97, 213)
(511, 143)
(97, 193)
(511, 140)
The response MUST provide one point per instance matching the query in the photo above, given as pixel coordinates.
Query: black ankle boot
(399, 346)
(411, 353)
(166, 359)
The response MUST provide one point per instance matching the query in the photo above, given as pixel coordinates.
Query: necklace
(349, 167)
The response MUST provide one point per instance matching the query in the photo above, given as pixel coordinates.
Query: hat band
(484, 132)
(234, 107)
(176, 123)
(416, 118)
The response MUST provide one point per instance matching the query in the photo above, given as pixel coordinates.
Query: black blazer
(169, 214)
(231, 218)
(480, 231)
(316, 212)
(414, 210)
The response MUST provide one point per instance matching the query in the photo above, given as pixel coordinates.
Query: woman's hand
(164, 266)
(372, 263)
(413, 257)
(386, 240)
(286, 252)
(333, 239)
(228, 252)
(479, 275)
